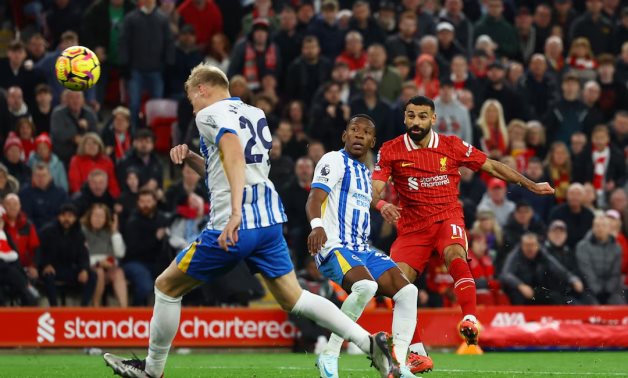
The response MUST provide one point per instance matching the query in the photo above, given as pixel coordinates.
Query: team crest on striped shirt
(443, 164)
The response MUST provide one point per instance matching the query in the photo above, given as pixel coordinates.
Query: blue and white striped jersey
(345, 212)
(261, 206)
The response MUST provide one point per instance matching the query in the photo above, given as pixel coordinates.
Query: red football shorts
(416, 248)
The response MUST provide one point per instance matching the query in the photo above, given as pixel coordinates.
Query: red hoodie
(431, 87)
(24, 238)
(82, 165)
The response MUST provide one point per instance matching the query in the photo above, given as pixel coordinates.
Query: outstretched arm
(313, 208)
(504, 172)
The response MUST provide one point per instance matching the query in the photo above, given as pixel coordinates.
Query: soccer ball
(77, 68)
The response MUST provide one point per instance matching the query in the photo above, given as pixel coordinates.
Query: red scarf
(599, 168)
(251, 72)
(582, 63)
(122, 147)
(495, 140)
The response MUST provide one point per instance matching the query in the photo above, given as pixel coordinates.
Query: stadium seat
(161, 117)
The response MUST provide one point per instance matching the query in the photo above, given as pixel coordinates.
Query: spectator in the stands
(453, 13)
(289, 39)
(600, 259)
(146, 47)
(531, 276)
(591, 92)
(492, 126)
(483, 270)
(143, 157)
(522, 220)
(553, 52)
(22, 233)
(281, 166)
(145, 237)
(41, 112)
(388, 80)
(329, 118)
(293, 139)
(307, 72)
(12, 275)
(594, 27)
(452, 117)
(565, 116)
(12, 159)
(538, 87)
(558, 166)
(542, 205)
(105, 246)
(69, 123)
(614, 93)
(325, 28)
(91, 155)
(180, 190)
(426, 73)
(448, 46)
(581, 60)
(127, 202)
(460, 75)
(526, 33)
(353, 54)
(577, 218)
(187, 56)
(43, 154)
(36, 47)
(603, 165)
(101, 33)
(371, 104)
(256, 56)
(404, 44)
(62, 16)
(64, 257)
(94, 190)
(219, 52)
(498, 89)
(495, 201)
(15, 72)
(188, 221)
(42, 198)
(363, 22)
(471, 185)
(17, 109)
(295, 194)
(206, 18)
(499, 29)
(25, 129)
(117, 137)
(556, 246)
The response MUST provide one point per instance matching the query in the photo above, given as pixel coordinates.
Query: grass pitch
(275, 365)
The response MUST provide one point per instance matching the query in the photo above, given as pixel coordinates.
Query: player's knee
(364, 289)
(453, 252)
(409, 291)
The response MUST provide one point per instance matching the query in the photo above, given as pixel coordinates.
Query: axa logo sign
(45, 328)
(506, 319)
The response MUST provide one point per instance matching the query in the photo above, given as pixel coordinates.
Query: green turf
(554, 364)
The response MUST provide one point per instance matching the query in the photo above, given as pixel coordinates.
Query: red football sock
(464, 286)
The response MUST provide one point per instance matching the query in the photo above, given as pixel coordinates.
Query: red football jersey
(426, 179)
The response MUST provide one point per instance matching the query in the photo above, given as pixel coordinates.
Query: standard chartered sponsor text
(196, 327)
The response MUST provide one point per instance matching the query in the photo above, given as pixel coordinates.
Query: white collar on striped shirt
(410, 145)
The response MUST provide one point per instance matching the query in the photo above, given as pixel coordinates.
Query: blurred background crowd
(93, 209)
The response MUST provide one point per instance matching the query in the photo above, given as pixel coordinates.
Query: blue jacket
(57, 170)
(42, 206)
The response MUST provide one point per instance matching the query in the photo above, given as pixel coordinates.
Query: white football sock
(418, 348)
(325, 314)
(404, 320)
(361, 293)
(163, 328)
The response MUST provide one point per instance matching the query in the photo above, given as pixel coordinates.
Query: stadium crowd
(92, 206)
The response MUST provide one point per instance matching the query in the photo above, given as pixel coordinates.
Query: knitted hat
(44, 138)
(12, 140)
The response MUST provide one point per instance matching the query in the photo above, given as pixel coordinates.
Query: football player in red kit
(423, 167)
